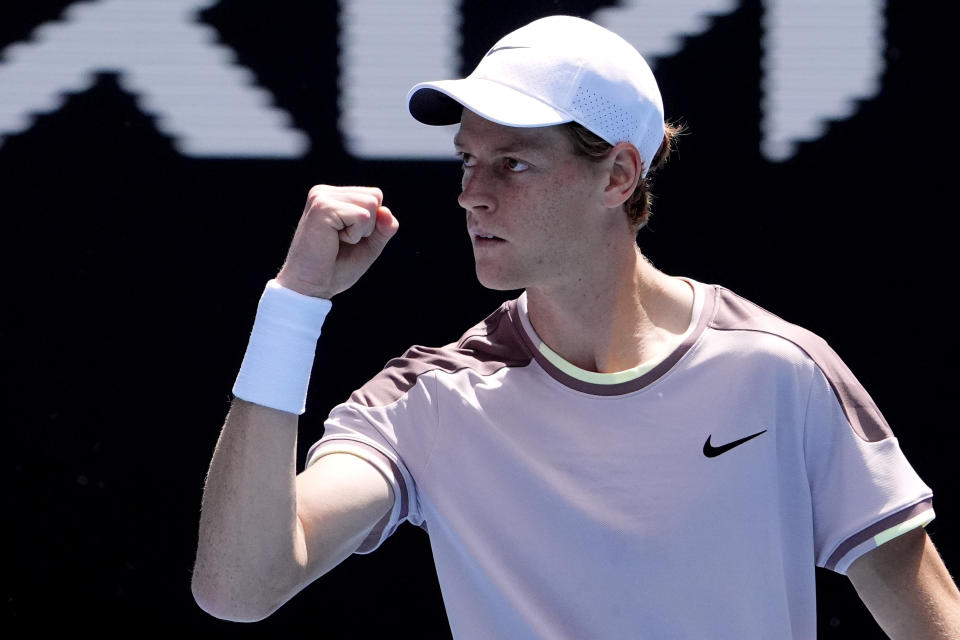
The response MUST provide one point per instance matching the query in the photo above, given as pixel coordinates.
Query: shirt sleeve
(395, 438)
(864, 490)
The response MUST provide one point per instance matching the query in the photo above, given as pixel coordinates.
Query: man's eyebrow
(512, 147)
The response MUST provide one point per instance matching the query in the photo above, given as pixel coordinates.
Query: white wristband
(276, 368)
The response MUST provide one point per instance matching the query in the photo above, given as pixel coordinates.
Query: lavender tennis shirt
(686, 498)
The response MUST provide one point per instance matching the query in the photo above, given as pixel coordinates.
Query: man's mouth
(481, 236)
(486, 238)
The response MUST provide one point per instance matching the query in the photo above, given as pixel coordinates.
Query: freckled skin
(527, 187)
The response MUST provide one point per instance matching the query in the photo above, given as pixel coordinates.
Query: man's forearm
(248, 525)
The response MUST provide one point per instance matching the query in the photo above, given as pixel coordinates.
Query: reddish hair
(589, 144)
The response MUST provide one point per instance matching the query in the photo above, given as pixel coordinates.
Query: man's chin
(497, 282)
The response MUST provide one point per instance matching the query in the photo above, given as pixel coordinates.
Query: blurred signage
(819, 59)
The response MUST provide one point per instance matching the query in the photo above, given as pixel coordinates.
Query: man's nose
(476, 192)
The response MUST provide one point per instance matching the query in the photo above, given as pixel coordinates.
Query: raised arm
(907, 588)
(265, 532)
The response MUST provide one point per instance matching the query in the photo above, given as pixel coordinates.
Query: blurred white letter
(386, 48)
(173, 65)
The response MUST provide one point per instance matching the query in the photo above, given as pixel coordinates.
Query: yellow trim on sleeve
(919, 520)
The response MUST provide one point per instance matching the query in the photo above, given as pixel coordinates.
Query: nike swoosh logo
(492, 51)
(712, 452)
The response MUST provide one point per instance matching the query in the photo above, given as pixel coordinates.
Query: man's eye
(466, 159)
(515, 165)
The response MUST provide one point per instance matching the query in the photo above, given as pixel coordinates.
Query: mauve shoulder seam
(861, 411)
(393, 382)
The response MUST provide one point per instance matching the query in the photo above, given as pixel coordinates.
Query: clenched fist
(340, 234)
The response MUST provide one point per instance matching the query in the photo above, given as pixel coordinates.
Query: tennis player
(617, 453)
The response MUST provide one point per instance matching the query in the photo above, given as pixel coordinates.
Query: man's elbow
(223, 600)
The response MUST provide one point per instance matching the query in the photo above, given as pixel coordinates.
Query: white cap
(556, 70)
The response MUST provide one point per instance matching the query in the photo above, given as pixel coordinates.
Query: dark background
(132, 274)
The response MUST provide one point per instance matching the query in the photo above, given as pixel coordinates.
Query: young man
(617, 453)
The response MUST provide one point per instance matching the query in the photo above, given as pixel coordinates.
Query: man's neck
(615, 319)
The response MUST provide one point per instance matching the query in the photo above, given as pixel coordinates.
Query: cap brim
(440, 102)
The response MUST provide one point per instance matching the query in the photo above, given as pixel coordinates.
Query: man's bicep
(907, 588)
(340, 499)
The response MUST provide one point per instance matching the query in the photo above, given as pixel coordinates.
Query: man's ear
(624, 167)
